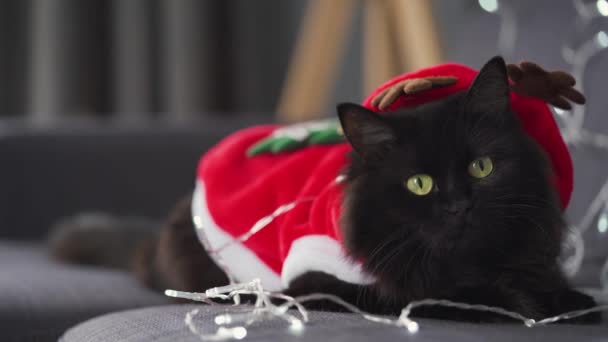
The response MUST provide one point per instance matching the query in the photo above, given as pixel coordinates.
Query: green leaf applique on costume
(296, 136)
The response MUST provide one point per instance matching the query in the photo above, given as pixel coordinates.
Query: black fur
(491, 241)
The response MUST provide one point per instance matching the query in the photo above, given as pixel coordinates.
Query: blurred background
(107, 105)
(185, 59)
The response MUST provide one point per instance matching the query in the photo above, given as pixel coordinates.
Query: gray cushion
(166, 323)
(40, 299)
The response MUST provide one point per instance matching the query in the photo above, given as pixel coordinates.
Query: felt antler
(409, 87)
(554, 87)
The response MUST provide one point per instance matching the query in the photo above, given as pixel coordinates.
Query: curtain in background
(181, 58)
(131, 58)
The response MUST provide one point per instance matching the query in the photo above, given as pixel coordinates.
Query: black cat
(488, 231)
(448, 200)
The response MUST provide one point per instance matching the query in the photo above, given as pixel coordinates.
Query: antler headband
(528, 79)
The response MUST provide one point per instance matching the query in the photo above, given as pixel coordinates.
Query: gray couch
(166, 323)
(40, 299)
(141, 170)
(48, 173)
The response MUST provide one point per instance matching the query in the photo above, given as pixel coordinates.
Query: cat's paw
(571, 300)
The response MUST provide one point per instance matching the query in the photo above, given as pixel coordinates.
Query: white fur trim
(324, 254)
(232, 257)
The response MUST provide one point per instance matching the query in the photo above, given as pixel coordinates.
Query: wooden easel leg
(314, 65)
(380, 62)
(416, 33)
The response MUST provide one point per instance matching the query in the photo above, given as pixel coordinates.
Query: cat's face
(454, 182)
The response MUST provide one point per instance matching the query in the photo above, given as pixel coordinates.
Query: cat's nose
(457, 207)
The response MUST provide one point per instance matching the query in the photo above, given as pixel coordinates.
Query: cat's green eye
(420, 184)
(481, 167)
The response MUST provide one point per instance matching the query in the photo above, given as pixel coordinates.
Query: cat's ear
(489, 92)
(368, 133)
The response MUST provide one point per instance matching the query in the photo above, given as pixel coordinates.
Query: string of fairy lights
(575, 133)
(591, 40)
(234, 325)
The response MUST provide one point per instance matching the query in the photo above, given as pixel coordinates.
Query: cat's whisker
(421, 247)
(521, 198)
(361, 296)
(401, 245)
(426, 267)
(392, 238)
(534, 223)
(386, 259)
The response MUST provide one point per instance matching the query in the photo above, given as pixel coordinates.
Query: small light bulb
(602, 221)
(602, 39)
(412, 327)
(559, 111)
(296, 327)
(239, 333)
(602, 7)
(198, 221)
(223, 319)
(490, 6)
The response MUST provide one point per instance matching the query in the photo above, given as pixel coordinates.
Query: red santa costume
(277, 216)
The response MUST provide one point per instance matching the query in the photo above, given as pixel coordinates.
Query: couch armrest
(52, 172)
